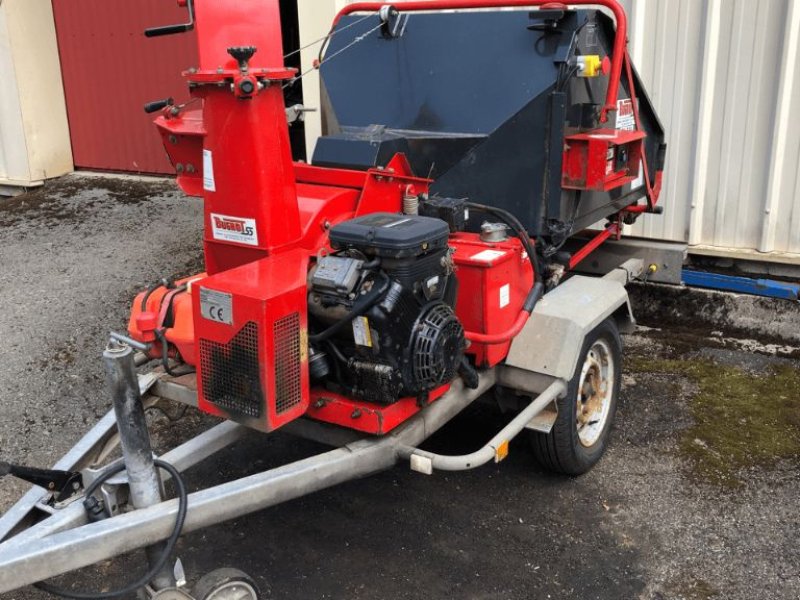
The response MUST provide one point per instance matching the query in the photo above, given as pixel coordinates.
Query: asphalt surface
(638, 526)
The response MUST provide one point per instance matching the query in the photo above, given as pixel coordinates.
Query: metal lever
(170, 29)
(63, 484)
(297, 112)
(157, 105)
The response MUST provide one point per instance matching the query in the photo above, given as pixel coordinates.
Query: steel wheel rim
(595, 391)
(233, 590)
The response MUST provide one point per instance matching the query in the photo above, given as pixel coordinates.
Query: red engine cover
(251, 335)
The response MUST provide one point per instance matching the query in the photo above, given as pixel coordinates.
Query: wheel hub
(594, 394)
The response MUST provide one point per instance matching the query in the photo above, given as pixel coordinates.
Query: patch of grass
(741, 420)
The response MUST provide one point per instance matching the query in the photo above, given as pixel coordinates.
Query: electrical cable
(537, 289)
(183, 505)
(165, 356)
(360, 306)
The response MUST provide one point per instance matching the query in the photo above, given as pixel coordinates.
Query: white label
(625, 118)
(216, 306)
(505, 295)
(488, 255)
(234, 229)
(208, 172)
(361, 333)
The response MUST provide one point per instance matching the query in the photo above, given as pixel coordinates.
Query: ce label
(216, 313)
(216, 306)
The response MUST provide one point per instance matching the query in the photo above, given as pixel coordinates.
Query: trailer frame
(40, 539)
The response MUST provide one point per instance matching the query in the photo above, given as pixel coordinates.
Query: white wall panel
(723, 75)
(34, 134)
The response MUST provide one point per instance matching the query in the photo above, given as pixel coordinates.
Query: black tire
(225, 583)
(562, 450)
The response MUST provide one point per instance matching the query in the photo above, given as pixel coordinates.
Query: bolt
(356, 414)
(173, 139)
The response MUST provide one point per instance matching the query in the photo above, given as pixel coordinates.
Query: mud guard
(548, 346)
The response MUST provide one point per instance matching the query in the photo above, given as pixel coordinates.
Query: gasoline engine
(384, 306)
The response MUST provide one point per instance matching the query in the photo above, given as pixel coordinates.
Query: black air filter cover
(391, 235)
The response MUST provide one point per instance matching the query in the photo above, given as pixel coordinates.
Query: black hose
(360, 306)
(183, 505)
(537, 289)
(163, 282)
(165, 356)
(147, 295)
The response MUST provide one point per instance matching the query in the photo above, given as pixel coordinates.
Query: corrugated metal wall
(725, 78)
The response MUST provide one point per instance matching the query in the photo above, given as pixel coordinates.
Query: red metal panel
(110, 70)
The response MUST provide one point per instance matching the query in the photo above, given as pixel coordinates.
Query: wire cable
(183, 505)
(327, 37)
(318, 65)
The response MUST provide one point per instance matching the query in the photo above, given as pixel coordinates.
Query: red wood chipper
(473, 163)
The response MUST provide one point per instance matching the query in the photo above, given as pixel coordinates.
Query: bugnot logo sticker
(234, 229)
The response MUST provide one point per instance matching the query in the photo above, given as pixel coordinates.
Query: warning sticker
(361, 333)
(505, 295)
(625, 118)
(234, 229)
(208, 172)
(488, 255)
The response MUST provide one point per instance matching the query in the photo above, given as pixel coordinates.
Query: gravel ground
(640, 525)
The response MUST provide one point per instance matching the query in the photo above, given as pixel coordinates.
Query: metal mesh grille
(438, 346)
(286, 333)
(230, 373)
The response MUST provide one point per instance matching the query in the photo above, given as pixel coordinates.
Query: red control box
(493, 281)
(601, 160)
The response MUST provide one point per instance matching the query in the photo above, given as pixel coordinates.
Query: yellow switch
(590, 65)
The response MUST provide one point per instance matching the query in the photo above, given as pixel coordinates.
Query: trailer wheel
(585, 414)
(226, 584)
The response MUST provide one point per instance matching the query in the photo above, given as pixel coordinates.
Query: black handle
(157, 105)
(168, 29)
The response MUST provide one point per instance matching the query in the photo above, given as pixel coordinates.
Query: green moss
(697, 590)
(741, 420)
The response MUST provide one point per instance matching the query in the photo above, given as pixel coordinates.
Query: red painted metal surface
(493, 280)
(620, 40)
(594, 244)
(602, 159)
(281, 388)
(368, 417)
(110, 70)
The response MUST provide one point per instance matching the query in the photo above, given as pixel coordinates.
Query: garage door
(110, 70)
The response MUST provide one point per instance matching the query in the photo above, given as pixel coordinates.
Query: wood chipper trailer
(426, 255)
